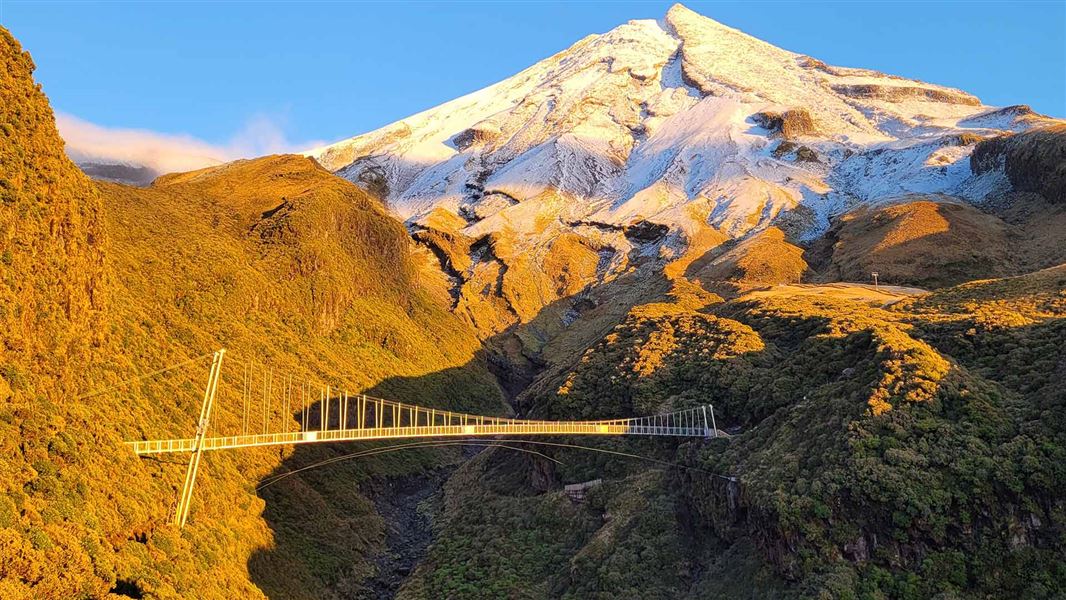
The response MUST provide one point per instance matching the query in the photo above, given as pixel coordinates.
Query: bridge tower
(181, 514)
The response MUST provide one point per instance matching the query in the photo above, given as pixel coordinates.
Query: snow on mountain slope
(655, 135)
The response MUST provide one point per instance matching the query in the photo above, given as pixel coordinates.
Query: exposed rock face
(787, 150)
(789, 124)
(1027, 173)
(481, 133)
(645, 232)
(374, 180)
(132, 175)
(1034, 161)
(686, 123)
(902, 93)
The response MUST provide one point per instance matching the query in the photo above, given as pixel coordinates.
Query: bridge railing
(287, 415)
(253, 405)
(672, 424)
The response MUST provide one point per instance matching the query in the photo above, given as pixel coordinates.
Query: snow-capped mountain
(644, 140)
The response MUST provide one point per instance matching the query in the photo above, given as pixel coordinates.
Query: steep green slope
(52, 301)
(280, 261)
(51, 240)
(274, 259)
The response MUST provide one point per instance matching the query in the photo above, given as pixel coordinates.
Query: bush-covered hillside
(907, 451)
(53, 293)
(52, 279)
(274, 259)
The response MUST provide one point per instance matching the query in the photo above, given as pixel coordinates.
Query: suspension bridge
(319, 413)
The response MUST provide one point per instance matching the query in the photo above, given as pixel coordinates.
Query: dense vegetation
(274, 259)
(53, 284)
(912, 451)
(280, 261)
(52, 297)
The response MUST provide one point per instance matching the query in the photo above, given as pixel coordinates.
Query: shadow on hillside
(1029, 360)
(330, 535)
(326, 523)
(909, 245)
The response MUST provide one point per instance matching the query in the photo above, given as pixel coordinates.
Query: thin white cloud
(169, 153)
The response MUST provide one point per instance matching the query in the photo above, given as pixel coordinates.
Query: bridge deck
(380, 433)
(329, 419)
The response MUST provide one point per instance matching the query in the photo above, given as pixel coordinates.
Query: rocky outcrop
(645, 232)
(789, 124)
(795, 152)
(1034, 161)
(902, 93)
(452, 249)
(479, 134)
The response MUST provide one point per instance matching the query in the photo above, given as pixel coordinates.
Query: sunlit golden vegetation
(274, 259)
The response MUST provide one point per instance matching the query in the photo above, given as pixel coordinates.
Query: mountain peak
(684, 130)
(679, 14)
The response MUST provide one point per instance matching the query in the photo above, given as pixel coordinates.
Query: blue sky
(296, 72)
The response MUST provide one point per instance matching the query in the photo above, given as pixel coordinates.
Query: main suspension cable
(625, 454)
(494, 443)
(397, 447)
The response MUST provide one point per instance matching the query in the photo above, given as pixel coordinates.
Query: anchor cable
(396, 447)
(495, 443)
(144, 376)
